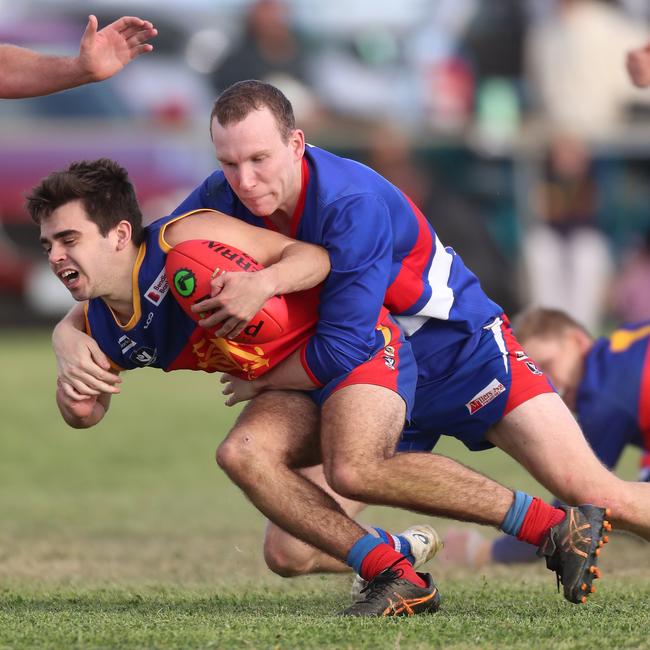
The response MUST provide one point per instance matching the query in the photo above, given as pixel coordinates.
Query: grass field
(129, 536)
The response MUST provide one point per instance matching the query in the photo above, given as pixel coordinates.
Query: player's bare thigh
(279, 424)
(360, 427)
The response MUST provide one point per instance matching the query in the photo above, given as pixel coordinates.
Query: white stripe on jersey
(442, 296)
(497, 332)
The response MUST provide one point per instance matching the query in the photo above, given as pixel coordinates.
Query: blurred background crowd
(511, 123)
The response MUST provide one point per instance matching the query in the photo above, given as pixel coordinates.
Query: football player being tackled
(100, 251)
(102, 254)
(472, 380)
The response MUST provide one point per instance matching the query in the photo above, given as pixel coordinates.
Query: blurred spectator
(494, 40)
(638, 66)
(575, 66)
(443, 93)
(270, 50)
(458, 222)
(631, 288)
(566, 256)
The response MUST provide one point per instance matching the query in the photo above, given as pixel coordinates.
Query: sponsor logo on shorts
(533, 368)
(485, 396)
(389, 361)
(158, 289)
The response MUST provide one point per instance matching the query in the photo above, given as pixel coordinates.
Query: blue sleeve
(357, 234)
(204, 196)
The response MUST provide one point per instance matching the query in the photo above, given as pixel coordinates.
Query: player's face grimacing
(77, 252)
(561, 359)
(262, 169)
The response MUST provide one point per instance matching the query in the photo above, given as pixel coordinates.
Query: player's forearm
(288, 375)
(73, 321)
(26, 73)
(301, 266)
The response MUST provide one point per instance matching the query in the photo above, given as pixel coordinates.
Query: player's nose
(56, 254)
(246, 178)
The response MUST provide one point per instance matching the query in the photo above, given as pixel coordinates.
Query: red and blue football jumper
(383, 251)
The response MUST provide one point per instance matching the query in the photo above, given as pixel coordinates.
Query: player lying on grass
(605, 382)
(471, 380)
(92, 232)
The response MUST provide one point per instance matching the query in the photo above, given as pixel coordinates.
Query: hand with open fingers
(236, 298)
(83, 370)
(239, 390)
(105, 52)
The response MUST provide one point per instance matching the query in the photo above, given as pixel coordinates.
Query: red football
(191, 265)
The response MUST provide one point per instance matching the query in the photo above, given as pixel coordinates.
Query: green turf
(128, 536)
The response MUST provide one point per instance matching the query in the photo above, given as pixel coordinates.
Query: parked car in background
(152, 118)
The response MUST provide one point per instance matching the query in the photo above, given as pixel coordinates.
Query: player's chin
(79, 294)
(260, 207)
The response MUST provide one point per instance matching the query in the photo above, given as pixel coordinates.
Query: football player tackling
(472, 380)
(91, 230)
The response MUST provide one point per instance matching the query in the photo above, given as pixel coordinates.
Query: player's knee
(228, 456)
(238, 454)
(287, 561)
(349, 479)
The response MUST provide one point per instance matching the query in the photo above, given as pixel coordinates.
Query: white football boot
(425, 543)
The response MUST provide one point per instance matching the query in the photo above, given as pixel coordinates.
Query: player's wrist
(269, 280)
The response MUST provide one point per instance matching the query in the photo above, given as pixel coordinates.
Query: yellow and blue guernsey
(613, 398)
(161, 335)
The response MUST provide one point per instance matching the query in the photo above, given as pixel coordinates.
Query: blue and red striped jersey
(383, 251)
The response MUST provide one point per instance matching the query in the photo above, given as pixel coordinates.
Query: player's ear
(124, 233)
(297, 143)
(580, 338)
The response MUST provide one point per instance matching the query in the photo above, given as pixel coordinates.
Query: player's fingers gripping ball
(191, 267)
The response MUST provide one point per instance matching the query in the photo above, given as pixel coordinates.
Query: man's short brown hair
(543, 323)
(103, 187)
(243, 97)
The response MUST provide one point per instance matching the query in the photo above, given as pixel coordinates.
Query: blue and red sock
(398, 542)
(370, 555)
(528, 518)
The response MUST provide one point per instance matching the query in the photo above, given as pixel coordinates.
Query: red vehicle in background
(151, 118)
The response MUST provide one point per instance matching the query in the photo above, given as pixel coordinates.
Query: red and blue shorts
(392, 366)
(494, 379)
